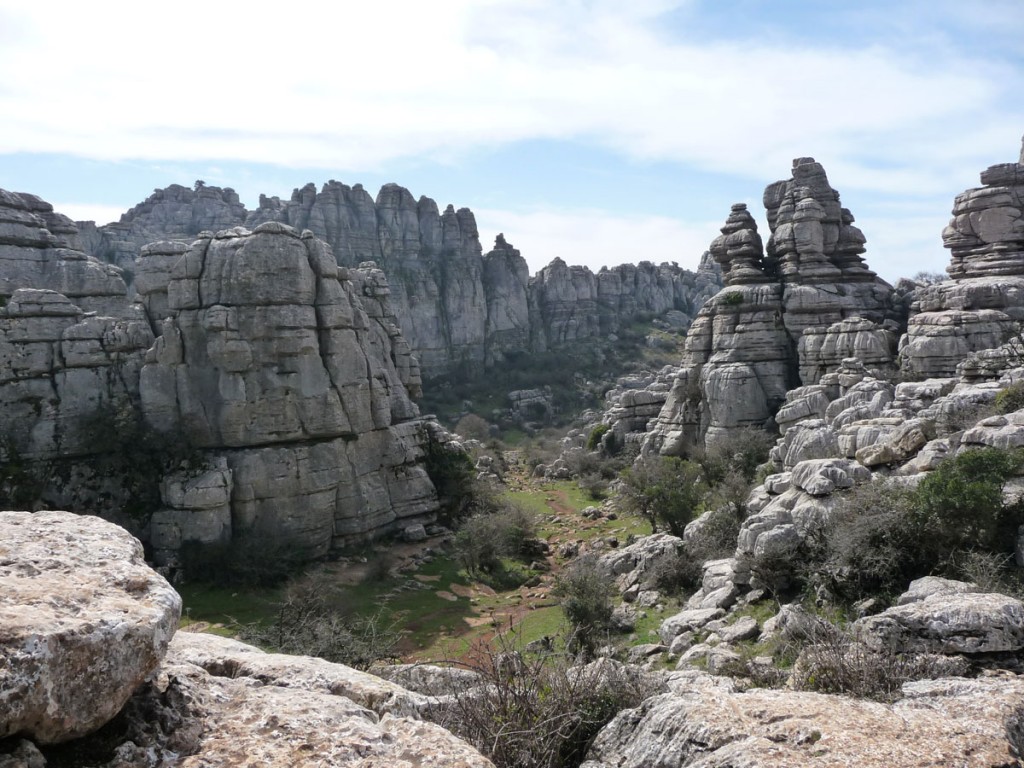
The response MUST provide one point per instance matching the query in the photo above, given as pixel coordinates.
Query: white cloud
(354, 86)
(596, 238)
(101, 214)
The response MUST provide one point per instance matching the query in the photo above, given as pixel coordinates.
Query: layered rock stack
(983, 305)
(269, 359)
(287, 374)
(455, 305)
(789, 314)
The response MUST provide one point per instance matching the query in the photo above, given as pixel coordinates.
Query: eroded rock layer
(789, 314)
(983, 305)
(286, 374)
(455, 304)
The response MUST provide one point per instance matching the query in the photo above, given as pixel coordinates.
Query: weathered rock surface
(454, 304)
(83, 620)
(983, 304)
(270, 360)
(789, 315)
(940, 722)
(951, 618)
(288, 371)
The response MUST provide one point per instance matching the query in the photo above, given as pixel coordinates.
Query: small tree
(585, 593)
(664, 490)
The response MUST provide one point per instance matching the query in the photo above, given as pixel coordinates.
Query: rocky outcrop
(455, 305)
(287, 376)
(83, 621)
(86, 641)
(702, 722)
(951, 618)
(983, 305)
(269, 359)
(38, 250)
(790, 314)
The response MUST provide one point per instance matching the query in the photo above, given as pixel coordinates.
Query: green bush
(485, 538)
(732, 299)
(1010, 399)
(585, 592)
(665, 491)
(595, 436)
(310, 622)
(884, 535)
(540, 711)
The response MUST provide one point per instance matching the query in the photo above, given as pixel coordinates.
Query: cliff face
(983, 305)
(269, 358)
(455, 305)
(288, 373)
(789, 314)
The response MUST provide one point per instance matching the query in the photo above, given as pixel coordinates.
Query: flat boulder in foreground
(83, 621)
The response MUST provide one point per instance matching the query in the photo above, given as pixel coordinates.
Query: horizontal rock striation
(456, 305)
(287, 376)
(790, 313)
(983, 305)
(269, 358)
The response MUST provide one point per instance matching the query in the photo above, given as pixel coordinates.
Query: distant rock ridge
(455, 304)
(790, 313)
(287, 373)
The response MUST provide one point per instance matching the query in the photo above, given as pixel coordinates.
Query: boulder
(944, 722)
(949, 623)
(83, 621)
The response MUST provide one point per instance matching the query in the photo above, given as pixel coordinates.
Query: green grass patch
(231, 607)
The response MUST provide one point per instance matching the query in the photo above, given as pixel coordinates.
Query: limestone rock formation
(287, 374)
(983, 305)
(83, 620)
(789, 314)
(37, 250)
(454, 305)
(269, 359)
(86, 641)
(950, 621)
(703, 723)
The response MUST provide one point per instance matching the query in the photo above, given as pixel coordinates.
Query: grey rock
(84, 620)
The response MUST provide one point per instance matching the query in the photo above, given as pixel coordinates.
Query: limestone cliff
(287, 374)
(983, 305)
(269, 358)
(790, 313)
(455, 305)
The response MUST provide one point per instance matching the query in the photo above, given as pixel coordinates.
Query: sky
(598, 131)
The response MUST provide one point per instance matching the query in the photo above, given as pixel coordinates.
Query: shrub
(714, 537)
(884, 536)
(540, 712)
(870, 542)
(664, 490)
(960, 505)
(473, 427)
(732, 299)
(594, 486)
(595, 436)
(452, 472)
(738, 453)
(585, 594)
(483, 539)
(309, 623)
(833, 661)
(1010, 399)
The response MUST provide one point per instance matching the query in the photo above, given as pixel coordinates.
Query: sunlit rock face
(270, 359)
(790, 313)
(982, 305)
